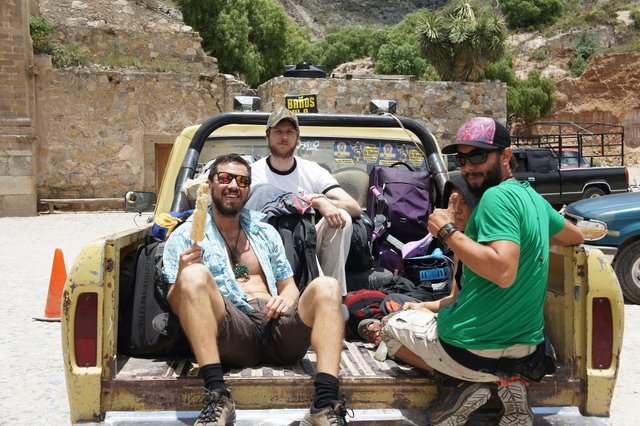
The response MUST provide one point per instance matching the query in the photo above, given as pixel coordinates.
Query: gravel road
(32, 386)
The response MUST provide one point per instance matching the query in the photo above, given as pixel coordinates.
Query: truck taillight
(602, 337)
(86, 330)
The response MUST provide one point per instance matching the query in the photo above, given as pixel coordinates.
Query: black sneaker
(218, 410)
(516, 406)
(455, 410)
(330, 416)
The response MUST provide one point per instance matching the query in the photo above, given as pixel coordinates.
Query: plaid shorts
(248, 340)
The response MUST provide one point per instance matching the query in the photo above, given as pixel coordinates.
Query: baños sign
(302, 103)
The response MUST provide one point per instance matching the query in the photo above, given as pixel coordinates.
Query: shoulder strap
(305, 233)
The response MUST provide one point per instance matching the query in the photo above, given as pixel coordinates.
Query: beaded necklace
(240, 270)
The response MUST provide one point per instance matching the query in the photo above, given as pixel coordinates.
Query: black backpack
(360, 252)
(146, 325)
(292, 216)
(298, 234)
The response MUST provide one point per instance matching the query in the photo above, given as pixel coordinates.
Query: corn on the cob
(200, 214)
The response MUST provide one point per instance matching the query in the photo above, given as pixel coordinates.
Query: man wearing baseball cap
(495, 329)
(311, 181)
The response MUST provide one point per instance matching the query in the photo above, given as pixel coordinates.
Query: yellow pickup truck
(583, 311)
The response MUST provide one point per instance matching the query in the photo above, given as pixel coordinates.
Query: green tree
(250, 38)
(460, 43)
(400, 60)
(585, 47)
(344, 45)
(531, 13)
(532, 98)
(395, 48)
(527, 100)
(399, 50)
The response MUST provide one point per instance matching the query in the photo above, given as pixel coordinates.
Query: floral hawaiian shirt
(264, 240)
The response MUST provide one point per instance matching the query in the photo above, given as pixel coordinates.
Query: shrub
(635, 14)
(532, 98)
(40, 29)
(531, 13)
(61, 55)
(527, 100)
(585, 47)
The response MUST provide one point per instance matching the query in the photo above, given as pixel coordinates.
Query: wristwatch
(446, 230)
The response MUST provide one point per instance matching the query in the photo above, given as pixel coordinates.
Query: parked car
(561, 185)
(614, 224)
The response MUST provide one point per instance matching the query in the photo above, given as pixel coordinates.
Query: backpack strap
(305, 232)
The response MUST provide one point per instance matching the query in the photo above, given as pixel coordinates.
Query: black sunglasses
(475, 157)
(226, 178)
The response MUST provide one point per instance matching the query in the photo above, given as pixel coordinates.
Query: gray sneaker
(516, 406)
(331, 416)
(218, 410)
(455, 410)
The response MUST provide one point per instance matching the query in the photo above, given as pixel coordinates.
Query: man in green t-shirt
(498, 313)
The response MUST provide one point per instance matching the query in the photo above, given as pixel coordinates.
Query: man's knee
(194, 280)
(325, 289)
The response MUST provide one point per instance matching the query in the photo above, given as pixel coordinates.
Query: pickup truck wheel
(593, 193)
(627, 269)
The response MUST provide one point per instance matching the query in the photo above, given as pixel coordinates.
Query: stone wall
(100, 127)
(17, 106)
(439, 105)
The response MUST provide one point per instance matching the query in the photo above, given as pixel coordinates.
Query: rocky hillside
(322, 15)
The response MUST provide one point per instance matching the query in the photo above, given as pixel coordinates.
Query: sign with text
(302, 103)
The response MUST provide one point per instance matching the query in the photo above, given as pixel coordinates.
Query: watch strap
(446, 230)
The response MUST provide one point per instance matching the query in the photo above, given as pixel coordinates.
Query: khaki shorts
(418, 332)
(248, 340)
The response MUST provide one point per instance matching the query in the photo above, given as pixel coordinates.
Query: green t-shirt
(486, 316)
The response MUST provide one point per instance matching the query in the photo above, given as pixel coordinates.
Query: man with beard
(496, 323)
(311, 181)
(239, 306)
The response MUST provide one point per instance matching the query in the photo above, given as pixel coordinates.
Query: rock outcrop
(606, 92)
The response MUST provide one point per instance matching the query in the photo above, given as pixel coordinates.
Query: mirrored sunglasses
(474, 157)
(226, 178)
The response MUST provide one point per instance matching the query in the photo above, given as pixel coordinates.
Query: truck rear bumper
(391, 417)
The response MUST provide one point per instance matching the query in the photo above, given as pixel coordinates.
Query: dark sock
(213, 378)
(326, 393)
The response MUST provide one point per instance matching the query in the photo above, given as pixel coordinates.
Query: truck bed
(365, 383)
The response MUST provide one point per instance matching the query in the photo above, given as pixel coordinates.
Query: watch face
(443, 232)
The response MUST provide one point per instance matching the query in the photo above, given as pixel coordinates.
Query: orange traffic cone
(56, 285)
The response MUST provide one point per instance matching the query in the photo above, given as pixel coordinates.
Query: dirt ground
(32, 385)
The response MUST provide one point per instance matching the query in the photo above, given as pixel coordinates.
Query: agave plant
(459, 44)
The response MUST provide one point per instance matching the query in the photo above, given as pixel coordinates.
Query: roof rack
(602, 142)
